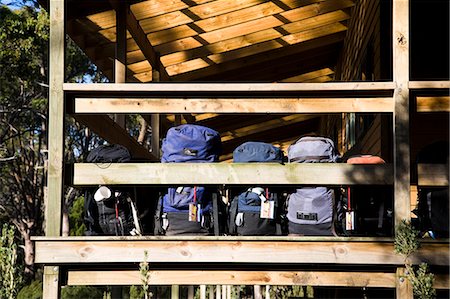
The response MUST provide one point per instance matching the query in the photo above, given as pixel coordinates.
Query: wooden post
(202, 291)
(190, 294)
(257, 292)
(401, 114)
(120, 63)
(403, 287)
(155, 122)
(56, 120)
(175, 293)
(51, 283)
(53, 205)
(218, 292)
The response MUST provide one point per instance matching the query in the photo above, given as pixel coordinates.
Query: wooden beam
(56, 120)
(433, 174)
(429, 84)
(402, 206)
(245, 88)
(67, 251)
(277, 52)
(107, 129)
(234, 105)
(142, 41)
(234, 277)
(230, 174)
(433, 104)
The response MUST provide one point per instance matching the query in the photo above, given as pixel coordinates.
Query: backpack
(113, 153)
(433, 202)
(188, 210)
(311, 210)
(312, 149)
(256, 210)
(107, 210)
(115, 215)
(191, 143)
(185, 211)
(368, 210)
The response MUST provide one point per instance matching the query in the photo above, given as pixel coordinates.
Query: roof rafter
(142, 41)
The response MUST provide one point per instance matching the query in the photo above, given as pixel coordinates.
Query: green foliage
(144, 270)
(406, 243)
(10, 273)
(406, 239)
(31, 291)
(136, 292)
(282, 292)
(77, 227)
(422, 281)
(85, 292)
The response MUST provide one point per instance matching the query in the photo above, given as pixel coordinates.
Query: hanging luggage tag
(267, 206)
(349, 215)
(350, 220)
(194, 208)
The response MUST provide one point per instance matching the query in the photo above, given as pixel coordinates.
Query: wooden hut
(371, 74)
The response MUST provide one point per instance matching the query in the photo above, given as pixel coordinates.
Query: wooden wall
(362, 43)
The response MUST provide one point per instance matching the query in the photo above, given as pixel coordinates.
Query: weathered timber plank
(235, 105)
(50, 283)
(236, 173)
(433, 104)
(210, 277)
(433, 174)
(228, 87)
(369, 253)
(56, 121)
(429, 84)
(400, 36)
(441, 281)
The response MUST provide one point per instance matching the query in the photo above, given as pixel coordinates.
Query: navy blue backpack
(175, 214)
(245, 215)
(191, 143)
(188, 210)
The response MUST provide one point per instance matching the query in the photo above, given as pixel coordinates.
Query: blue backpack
(245, 216)
(177, 200)
(257, 152)
(191, 143)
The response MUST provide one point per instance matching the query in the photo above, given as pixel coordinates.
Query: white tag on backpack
(267, 209)
(179, 190)
(350, 220)
(193, 212)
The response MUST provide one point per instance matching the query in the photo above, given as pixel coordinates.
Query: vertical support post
(120, 63)
(401, 114)
(190, 294)
(202, 291)
(218, 292)
(175, 293)
(403, 287)
(56, 120)
(155, 119)
(51, 283)
(55, 180)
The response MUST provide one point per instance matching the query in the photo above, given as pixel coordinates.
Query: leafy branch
(406, 243)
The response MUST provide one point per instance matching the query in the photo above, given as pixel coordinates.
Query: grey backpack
(312, 150)
(311, 205)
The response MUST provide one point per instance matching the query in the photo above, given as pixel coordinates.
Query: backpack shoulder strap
(232, 216)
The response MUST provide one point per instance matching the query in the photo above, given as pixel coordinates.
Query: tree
(24, 35)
